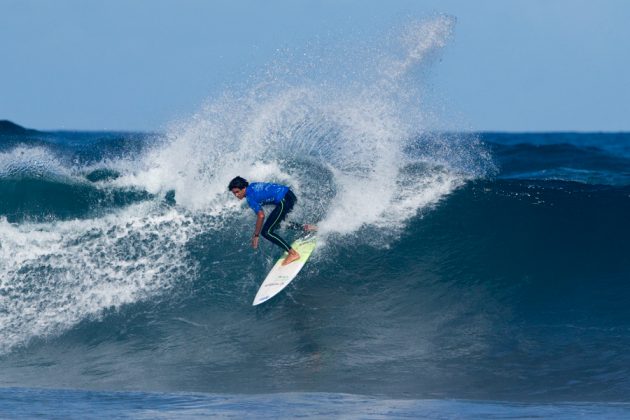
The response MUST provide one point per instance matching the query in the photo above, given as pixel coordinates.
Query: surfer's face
(239, 193)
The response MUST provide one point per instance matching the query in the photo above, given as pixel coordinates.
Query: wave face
(487, 265)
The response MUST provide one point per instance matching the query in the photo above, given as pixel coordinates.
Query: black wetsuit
(274, 219)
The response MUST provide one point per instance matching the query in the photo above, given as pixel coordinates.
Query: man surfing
(262, 193)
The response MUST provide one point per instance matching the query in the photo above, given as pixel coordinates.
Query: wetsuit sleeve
(254, 205)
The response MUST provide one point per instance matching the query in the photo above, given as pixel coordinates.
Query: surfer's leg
(291, 199)
(293, 226)
(300, 227)
(274, 219)
(272, 222)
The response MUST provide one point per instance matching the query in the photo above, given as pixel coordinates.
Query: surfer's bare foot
(293, 255)
(310, 228)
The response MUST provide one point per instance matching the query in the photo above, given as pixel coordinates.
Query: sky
(517, 65)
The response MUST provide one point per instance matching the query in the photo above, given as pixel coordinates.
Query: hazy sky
(517, 65)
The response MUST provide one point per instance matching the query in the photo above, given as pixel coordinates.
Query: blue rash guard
(260, 193)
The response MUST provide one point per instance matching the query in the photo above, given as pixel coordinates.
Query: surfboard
(281, 275)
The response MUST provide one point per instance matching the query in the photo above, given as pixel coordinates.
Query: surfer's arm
(260, 218)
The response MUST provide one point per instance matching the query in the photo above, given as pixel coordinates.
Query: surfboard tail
(281, 275)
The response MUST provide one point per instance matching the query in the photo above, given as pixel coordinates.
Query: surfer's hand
(254, 242)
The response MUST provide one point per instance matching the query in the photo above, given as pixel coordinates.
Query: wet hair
(238, 182)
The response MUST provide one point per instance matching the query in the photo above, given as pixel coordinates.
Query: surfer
(259, 194)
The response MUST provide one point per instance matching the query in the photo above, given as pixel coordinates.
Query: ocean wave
(596, 158)
(500, 277)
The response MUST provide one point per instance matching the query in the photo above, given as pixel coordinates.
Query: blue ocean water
(509, 287)
(459, 275)
(69, 404)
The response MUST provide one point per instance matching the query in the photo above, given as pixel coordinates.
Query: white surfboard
(281, 275)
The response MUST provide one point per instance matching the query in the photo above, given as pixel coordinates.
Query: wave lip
(342, 147)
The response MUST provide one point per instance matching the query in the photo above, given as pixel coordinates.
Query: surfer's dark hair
(238, 182)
